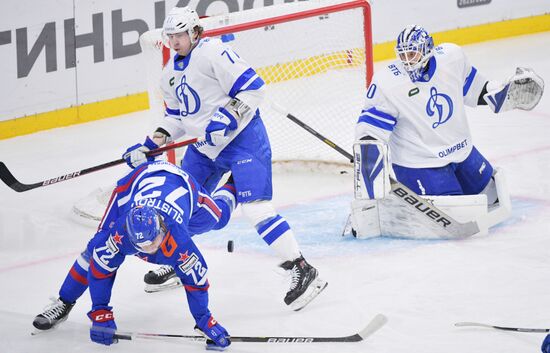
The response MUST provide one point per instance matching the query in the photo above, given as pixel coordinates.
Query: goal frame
(367, 25)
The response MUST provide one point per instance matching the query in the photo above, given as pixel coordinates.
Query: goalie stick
(516, 329)
(455, 228)
(8, 178)
(374, 325)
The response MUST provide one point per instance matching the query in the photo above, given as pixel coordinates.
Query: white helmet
(414, 48)
(181, 19)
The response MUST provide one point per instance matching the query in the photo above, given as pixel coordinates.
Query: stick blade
(374, 325)
(504, 328)
(7, 177)
(472, 324)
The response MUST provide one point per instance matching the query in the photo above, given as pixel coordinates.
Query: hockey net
(316, 60)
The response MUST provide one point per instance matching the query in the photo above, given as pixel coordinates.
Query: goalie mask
(181, 19)
(145, 228)
(414, 48)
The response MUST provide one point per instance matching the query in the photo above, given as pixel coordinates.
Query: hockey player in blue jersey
(210, 91)
(153, 213)
(415, 117)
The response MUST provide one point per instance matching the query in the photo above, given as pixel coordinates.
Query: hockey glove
(221, 124)
(135, 155)
(217, 337)
(522, 91)
(103, 325)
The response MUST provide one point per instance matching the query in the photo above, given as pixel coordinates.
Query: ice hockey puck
(230, 246)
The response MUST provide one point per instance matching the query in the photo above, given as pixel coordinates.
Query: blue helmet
(414, 48)
(143, 224)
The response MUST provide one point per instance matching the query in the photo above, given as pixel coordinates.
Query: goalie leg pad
(371, 170)
(365, 219)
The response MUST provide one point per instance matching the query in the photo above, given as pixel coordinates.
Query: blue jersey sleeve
(179, 251)
(108, 250)
(211, 212)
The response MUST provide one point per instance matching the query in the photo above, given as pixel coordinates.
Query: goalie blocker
(377, 211)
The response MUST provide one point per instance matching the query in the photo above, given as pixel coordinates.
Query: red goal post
(316, 59)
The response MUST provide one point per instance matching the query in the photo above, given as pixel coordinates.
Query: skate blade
(314, 289)
(37, 331)
(172, 283)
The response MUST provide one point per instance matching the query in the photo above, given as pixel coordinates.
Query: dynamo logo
(440, 104)
(189, 99)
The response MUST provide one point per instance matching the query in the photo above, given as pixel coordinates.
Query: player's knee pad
(258, 211)
(371, 170)
(365, 220)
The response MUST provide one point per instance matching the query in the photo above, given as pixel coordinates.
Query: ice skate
(305, 284)
(162, 278)
(53, 315)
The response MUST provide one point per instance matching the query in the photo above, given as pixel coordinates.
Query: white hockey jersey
(424, 123)
(195, 86)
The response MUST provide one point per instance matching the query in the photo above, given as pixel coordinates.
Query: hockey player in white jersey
(210, 91)
(415, 116)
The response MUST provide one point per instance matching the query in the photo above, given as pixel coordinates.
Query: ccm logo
(102, 316)
(422, 206)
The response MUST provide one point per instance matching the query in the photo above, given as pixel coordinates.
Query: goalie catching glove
(522, 91)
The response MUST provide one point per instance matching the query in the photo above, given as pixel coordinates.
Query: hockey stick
(516, 329)
(8, 178)
(374, 325)
(455, 228)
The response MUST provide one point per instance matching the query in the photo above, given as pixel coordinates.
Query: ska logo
(440, 104)
(189, 99)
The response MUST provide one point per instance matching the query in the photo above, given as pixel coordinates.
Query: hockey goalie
(415, 116)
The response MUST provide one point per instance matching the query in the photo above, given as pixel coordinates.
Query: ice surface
(423, 287)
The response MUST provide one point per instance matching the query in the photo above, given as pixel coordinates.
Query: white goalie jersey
(424, 123)
(195, 86)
